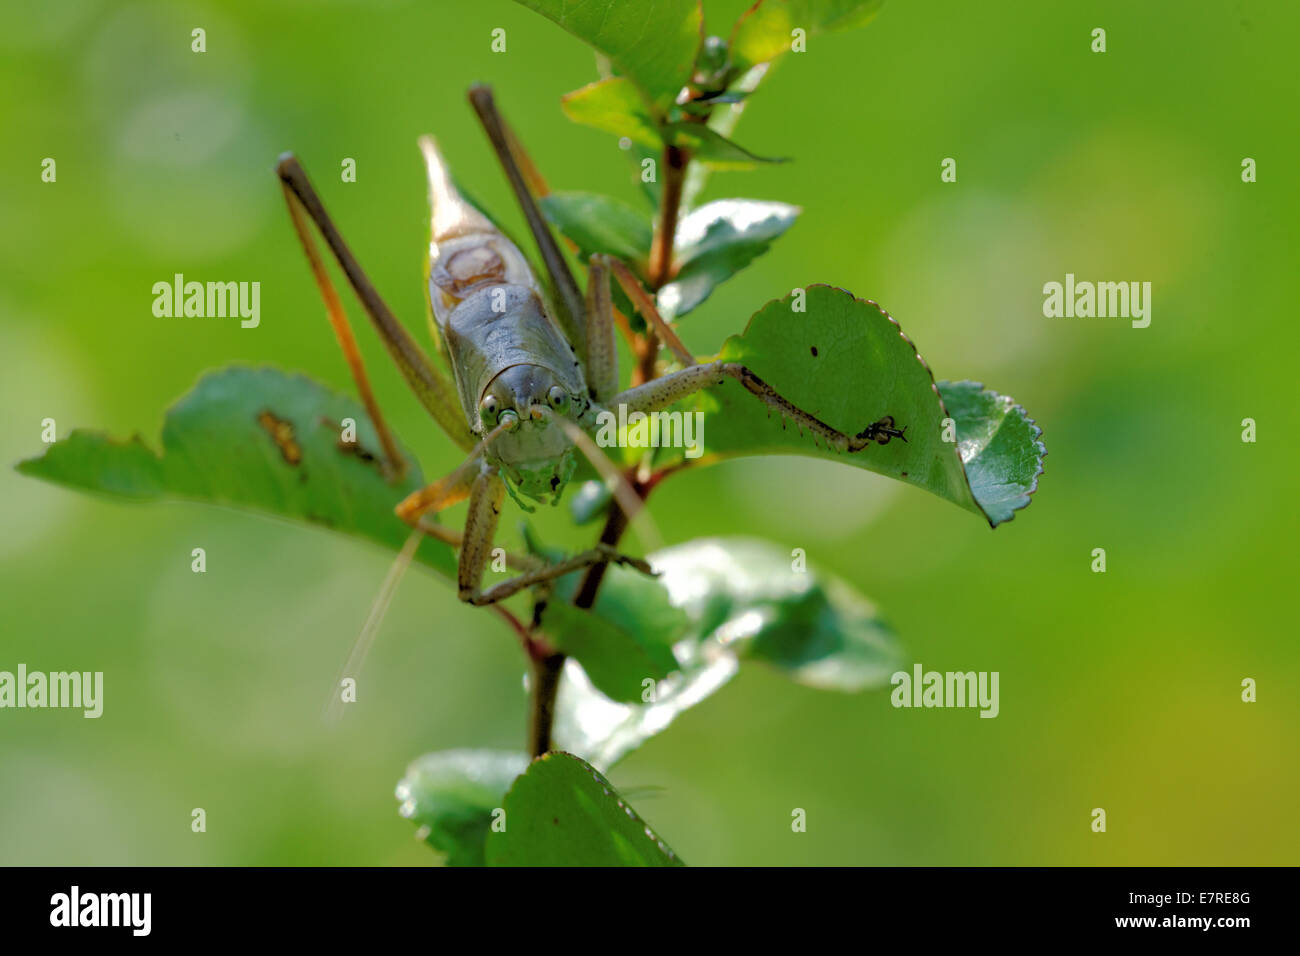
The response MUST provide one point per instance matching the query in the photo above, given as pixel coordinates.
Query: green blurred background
(1118, 690)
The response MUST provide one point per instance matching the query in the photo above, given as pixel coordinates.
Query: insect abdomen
(466, 251)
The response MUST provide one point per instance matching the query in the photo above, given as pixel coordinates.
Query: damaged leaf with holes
(257, 439)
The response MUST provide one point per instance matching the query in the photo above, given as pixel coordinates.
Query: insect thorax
(500, 326)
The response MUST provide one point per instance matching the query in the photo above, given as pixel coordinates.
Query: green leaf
(562, 812)
(452, 795)
(600, 224)
(725, 223)
(590, 501)
(651, 190)
(709, 146)
(716, 241)
(258, 439)
(604, 731)
(845, 361)
(723, 121)
(625, 639)
(711, 64)
(999, 444)
(765, 31)
(653, 44)
(749, 597)
(745, 601)
(94, 462)
(703, 105)
(615, 106)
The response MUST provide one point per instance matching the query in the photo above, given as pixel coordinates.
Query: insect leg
(393, 460)
(485, 499)
(444, 493)
(511, 155)
(430, 386)
(646, 306)
(601, 554)
(602, 356)
(663, 391)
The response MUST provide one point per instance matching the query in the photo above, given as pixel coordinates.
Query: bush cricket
(531, 366)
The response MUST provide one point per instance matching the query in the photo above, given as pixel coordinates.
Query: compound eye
(510, 418)
(558, 398)
(488, 408)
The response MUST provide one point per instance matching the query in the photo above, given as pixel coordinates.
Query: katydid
(531, 371)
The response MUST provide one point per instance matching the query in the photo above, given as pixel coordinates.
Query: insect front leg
(663, 391)
(485, 500)
(483, 486)
(444, 493)
(480, 528)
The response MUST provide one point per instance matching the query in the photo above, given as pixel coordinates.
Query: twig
(547, 668)
(675, 161)
(541, 718)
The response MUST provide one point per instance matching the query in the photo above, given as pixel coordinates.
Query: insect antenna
(366, 639)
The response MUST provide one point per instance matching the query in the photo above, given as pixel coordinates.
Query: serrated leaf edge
(1039, 445)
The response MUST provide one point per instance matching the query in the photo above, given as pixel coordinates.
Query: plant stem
(673, 167)
(547, 664)
(616, 522)
(545, 683)
(670, 203)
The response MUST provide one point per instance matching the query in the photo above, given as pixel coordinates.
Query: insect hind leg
(430, 386)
